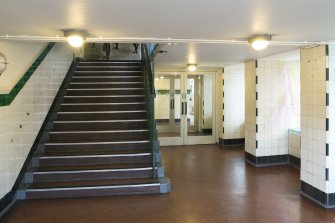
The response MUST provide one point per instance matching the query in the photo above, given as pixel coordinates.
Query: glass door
(200, 109)
(167, 108)
(185, 108)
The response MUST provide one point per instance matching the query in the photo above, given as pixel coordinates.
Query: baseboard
(294, 161)
(231, 142)
(321, 198)
(263, 161)
(9, 198)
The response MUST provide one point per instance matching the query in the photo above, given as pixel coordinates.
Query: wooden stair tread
(93, 183)
(93, 167)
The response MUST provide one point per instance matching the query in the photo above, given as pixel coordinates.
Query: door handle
(185, 108)
(182, 108)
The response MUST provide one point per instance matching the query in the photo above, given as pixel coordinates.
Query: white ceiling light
(75, 37)
(260, 42)
(192, 67)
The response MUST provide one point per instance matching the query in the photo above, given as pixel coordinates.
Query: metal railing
(149, 98)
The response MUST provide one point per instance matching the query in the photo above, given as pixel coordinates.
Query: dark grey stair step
(79, 116)
(92, 172)
(111, 63)
(110, 99)
(93, 167)
(106, 85)
(109, 68)
(88, 136)
(70, 152)
(93, 191)
(104, 92)
(97, 146)
(129, 106)
(89, 183)
(47, 160)
(100, 125)
(108, 74)
(96, 78)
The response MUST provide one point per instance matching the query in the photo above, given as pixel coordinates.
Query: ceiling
(287, 20)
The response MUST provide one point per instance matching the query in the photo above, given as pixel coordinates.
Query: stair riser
(103, 99)
(113, 107)
(107, 74)
(100, 126)
(102, 136)
(95, 161)
(95, 86)
(104, 92)
(110, 64)
(101, 116)
(100, 147)
(121, 79)
(46, 177)
(93, 192)
(105, 68)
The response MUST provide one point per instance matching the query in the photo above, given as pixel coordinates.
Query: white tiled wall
(233, 112)
(21, 121)
(250, 107)
(273, 106)
(294, 142)
(314, 113)
(19, 56)
(330, 160)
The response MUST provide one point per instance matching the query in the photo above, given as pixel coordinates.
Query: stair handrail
(150, 95)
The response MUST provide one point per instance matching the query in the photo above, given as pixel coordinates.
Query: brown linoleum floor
(210, 184)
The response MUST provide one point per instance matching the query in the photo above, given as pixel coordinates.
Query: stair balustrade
(150, 97)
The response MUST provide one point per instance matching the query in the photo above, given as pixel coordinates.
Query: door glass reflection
(199, 105)
(167, 105)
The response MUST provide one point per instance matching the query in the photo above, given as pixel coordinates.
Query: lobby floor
(210, 185)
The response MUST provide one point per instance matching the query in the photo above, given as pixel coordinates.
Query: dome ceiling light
(260, 42)
(192, 67)
(75, 37)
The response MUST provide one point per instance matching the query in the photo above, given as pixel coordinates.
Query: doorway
(185, 108)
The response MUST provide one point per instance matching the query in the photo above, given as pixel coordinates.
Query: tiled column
(250, 110)
(267, 108)
(318, 124)
(233, 105)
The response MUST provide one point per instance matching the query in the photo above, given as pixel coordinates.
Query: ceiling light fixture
(75, 37)
(192, 67)
(260, 42)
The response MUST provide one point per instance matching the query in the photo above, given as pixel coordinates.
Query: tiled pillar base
(266, 160)
(318, 196)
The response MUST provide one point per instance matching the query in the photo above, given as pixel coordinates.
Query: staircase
(99, 142)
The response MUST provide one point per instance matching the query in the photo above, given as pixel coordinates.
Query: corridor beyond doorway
(211, 184)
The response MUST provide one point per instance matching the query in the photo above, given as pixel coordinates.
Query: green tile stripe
(7, 99)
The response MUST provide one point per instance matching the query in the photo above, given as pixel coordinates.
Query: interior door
(167, 108)
(185, 108)
(200, 109)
